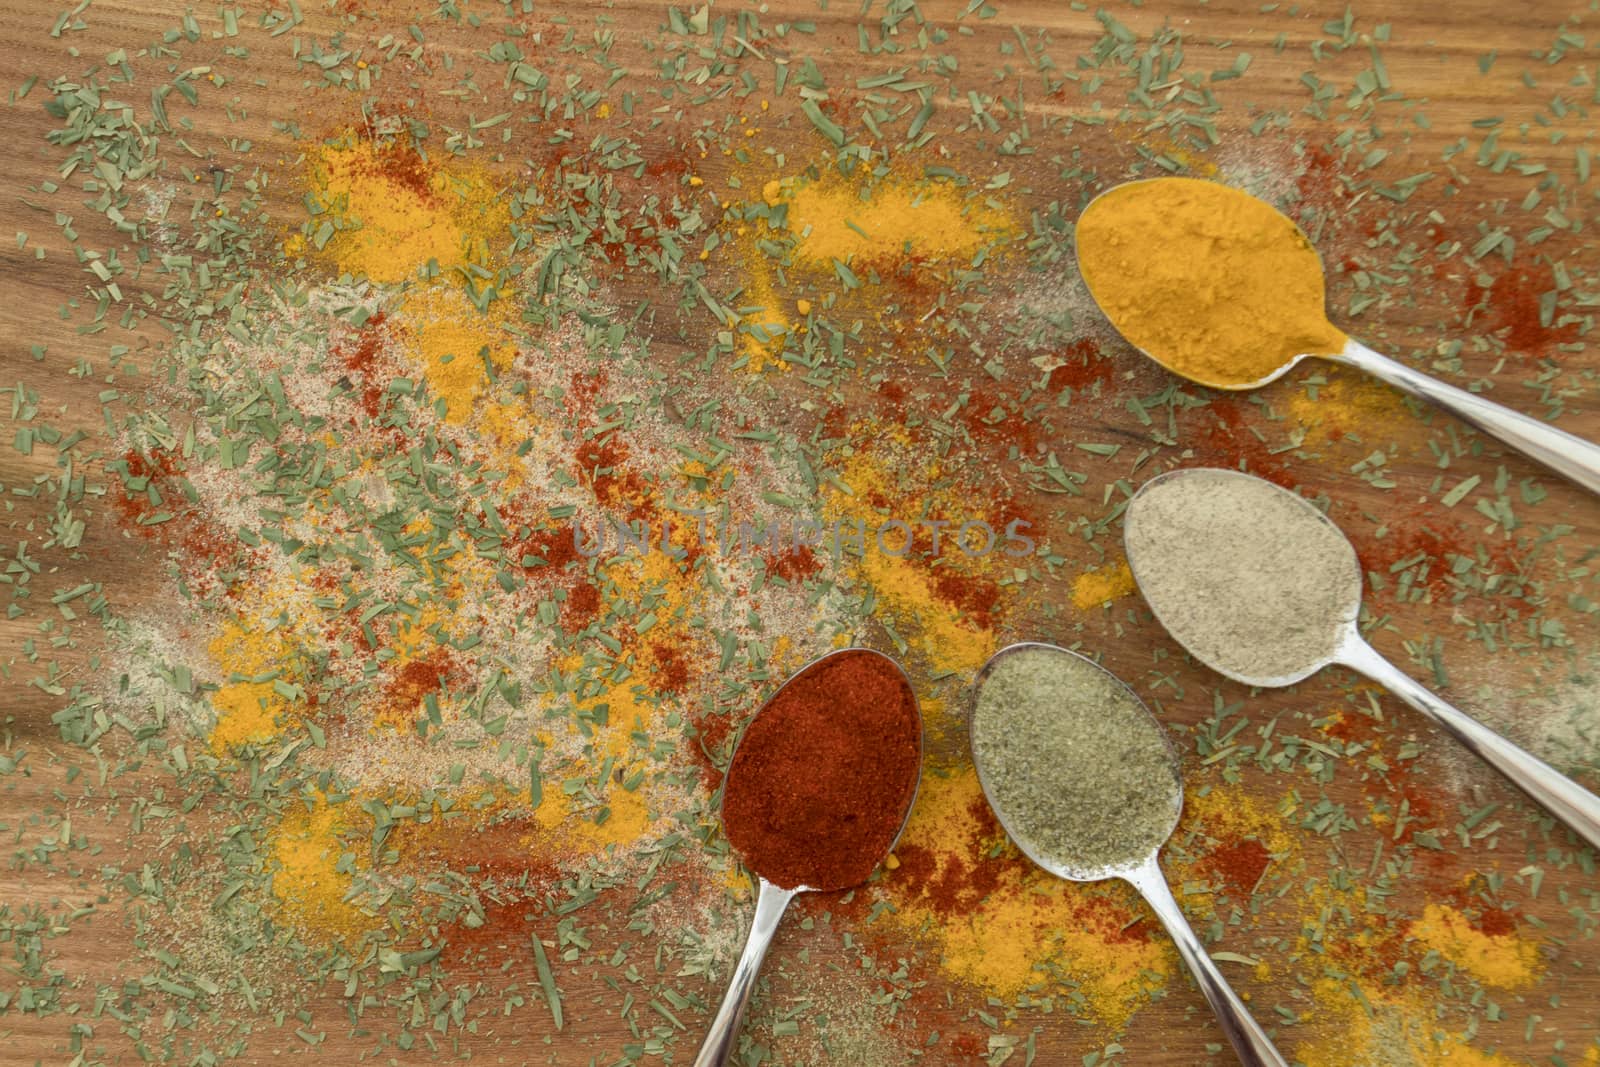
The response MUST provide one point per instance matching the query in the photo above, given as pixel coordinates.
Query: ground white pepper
(1253, 580)
(1078, 770)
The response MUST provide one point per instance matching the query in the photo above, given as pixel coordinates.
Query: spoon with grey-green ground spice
(1261, 586)
(1086, 782)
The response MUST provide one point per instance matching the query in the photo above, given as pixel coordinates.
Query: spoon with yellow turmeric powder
(1223, 289)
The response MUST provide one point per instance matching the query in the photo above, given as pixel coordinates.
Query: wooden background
(1432, 55)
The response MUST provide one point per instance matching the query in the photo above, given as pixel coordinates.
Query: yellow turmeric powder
(307, 883)
(387, 212)
(952, 639)
(1502, 960)
(454, 345)
(1382, 1026)
(1004, 926)
(1211, 282)
(252, 712)
(1101, 585)
(926, 218)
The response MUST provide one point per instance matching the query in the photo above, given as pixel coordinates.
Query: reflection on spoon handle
(1571, 457)
(1251, 1043)
(1552, 790)
(771, 902)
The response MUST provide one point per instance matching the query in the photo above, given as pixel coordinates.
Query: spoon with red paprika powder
(820, 786)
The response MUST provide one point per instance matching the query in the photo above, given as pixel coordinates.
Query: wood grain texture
(1432, 57)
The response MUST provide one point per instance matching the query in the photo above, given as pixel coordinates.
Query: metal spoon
(1572, 457)
(1341, 640)
(1249, 1040)
(773, 900)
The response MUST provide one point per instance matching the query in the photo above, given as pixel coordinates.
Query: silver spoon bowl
(773, 900)
(1572, 457)
(1569, 802)
(1250, 1042)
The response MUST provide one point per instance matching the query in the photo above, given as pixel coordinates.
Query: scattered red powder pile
(1240, 864)
(1225, 433)
(1513, 310)
(977, 597)
(1087, 365)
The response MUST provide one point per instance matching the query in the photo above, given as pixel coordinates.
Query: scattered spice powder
(1102, 585)
(764, 323)
(924, 220)
(309, 881)
(951, 610)
(1004, 926)
(1079, 365)
(1504, 961)
(1372, 1025)
(1513, 307)
(386, 213)
(824, 774)
(1349, 402)
(351, 514)
(453, 346)
(249, 705)
(1239, 841)
(1227, 436)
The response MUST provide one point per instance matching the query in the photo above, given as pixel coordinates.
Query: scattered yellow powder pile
(1504, 961)
(1365, 1019)
(412, 636)
(910, 594)
(251, 711)
(764, 323)
(907, 589)
(1102, 585)
(929, 220)
(666, 587)
(453, 345)
(1336, 924)
(616, 744)
(924, 221)
(1193, 162)
(505, 429)
(1398, 1030)
(551, 833)
(247, 713)
(627, 713)
(1230, 814)
(388, 212)
(1348, 402)
(628, 822)
(1004, 926)
(389, 215)
(309, 887)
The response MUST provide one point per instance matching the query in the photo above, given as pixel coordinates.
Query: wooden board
(1319, 792)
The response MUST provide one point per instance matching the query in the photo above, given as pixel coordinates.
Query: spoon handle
(771, 902)
(1250, 1043)
(1571, 457)
(1568, 801)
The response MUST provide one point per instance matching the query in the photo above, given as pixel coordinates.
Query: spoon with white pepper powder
(1261, 586)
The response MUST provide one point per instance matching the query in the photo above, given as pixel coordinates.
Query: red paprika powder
(825, 773)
